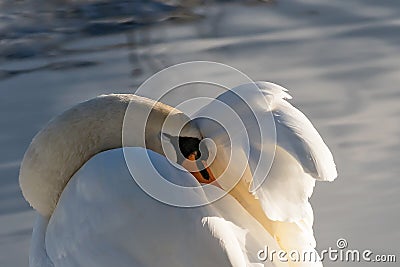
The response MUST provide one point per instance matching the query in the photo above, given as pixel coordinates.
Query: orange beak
(203, 174)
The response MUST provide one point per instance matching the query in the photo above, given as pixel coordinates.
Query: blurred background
(340, 60)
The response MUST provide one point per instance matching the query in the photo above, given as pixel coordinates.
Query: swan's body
(112, 222)
(103, 218)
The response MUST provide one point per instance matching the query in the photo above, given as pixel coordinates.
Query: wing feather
(296, 134)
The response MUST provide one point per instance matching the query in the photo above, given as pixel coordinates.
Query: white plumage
(103, 218)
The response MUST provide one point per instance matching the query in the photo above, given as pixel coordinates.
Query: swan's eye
(189, 146)
(185, 147)
(192, 154)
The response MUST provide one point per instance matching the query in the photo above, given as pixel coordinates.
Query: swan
(90, 212)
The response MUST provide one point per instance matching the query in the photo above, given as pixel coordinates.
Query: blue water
(339, 59)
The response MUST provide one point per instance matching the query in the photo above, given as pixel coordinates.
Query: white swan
(92, 213)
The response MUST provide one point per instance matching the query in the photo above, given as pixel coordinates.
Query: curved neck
(72, 138)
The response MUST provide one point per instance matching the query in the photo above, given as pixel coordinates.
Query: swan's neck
(85, 130)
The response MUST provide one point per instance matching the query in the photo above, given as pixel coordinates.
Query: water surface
(339, 59)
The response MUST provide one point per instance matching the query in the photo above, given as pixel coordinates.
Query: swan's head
(181, 141)
(192, 154)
